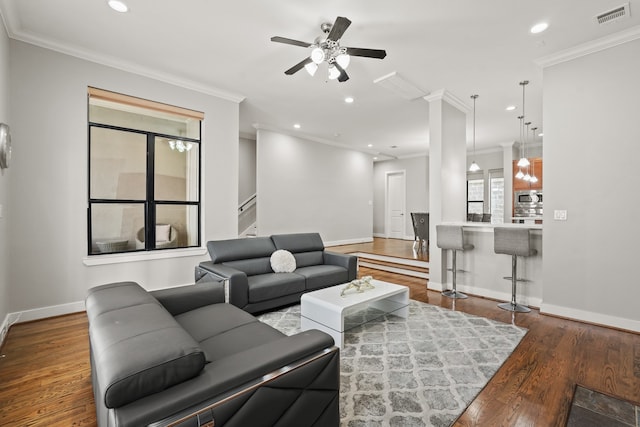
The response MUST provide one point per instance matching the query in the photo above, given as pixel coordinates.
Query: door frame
(387, 216)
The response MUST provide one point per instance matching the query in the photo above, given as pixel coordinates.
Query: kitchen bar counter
(485, 269)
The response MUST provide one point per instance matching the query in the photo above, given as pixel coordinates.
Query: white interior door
(395, 205)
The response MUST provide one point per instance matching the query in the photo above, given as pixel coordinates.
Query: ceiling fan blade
(368, 53)
(290, 41)
(338, 28)
(299, 66)
(343, 77)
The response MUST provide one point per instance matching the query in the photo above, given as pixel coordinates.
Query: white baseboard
(591, 317)
(50, 311)
(384, 236)
(349, 241)
(488, 293)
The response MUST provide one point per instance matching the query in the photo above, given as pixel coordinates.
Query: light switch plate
(560, 215)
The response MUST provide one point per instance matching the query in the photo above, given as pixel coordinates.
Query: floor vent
(617, 14)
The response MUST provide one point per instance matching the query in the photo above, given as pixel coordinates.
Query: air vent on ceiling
(613, 15)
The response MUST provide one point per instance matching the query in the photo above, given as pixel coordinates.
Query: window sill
(142, 256)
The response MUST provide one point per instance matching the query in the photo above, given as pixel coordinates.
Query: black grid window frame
(150, 203)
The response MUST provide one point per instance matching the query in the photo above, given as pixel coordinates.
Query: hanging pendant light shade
(519, 175)
(474, 166)
(523, 162)
(533, 179)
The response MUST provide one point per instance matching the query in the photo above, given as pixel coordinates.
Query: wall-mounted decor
(5, 146)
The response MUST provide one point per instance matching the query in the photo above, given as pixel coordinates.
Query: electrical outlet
(560, 215)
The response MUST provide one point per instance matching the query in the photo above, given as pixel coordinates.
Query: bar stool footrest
(518, 308)
(520, 279)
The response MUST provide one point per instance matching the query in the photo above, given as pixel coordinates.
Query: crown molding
(302, 135)
(445, 95)
(11, 23)
(588, 48)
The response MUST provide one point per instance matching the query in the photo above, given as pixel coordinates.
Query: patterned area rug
(415, 372)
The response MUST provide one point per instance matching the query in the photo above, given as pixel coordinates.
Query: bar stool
(451, 237)
(515, 242)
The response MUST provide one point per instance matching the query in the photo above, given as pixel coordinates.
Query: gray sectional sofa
(244, 264)
(183, 357)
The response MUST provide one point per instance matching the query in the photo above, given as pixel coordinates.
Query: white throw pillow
(283, 261)
(163, 233)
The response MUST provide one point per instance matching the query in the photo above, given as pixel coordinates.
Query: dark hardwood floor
(45, 372)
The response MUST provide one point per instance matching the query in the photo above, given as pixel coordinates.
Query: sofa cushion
(214, 319)
(112, 296)
(235, 249)
(141, 350)
(321, 276)
(268, 286)
(304, 259)
(223, 329)
(251, 267)
(299, 242)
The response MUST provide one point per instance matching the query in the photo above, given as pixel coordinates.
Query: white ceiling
(464, 46)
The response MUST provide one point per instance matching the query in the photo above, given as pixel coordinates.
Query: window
(475, 194)
(144, 175)
(496, 189)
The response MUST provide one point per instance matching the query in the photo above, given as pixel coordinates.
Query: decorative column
(447, 172)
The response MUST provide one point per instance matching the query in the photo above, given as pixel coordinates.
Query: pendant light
(474, 166)
(533, 179)
(520, 175)
(526, 176)
(523, 162)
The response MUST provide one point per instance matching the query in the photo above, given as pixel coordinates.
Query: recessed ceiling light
(348, 100)
(375, 158)
(510, 108)
(538, 28)
(297, 126)
(541, 134)
(370, 145)
(118, 6)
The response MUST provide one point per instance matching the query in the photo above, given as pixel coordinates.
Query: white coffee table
(329, 312)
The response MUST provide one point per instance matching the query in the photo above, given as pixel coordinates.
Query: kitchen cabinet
(535, 167)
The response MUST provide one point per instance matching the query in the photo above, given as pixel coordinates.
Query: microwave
(528, 197)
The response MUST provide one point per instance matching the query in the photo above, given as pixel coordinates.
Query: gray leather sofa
(245, 266)
(181, 357)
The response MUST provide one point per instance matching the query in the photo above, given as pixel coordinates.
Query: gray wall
(308, 186)
(48, 197)
(417, 184)
(4, 178)
(591, 149)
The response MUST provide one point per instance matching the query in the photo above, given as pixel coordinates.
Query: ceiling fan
(326, 48)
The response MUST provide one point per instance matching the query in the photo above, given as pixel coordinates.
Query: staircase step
(408, 267)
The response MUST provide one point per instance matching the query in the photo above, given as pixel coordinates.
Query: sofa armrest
(237, 282)
(305, 361)
(350, 262)
(181, 299)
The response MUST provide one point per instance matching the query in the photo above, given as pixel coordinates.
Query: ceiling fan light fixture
(311, 68)
(333, 73)
(343, 60)
(317, 55)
